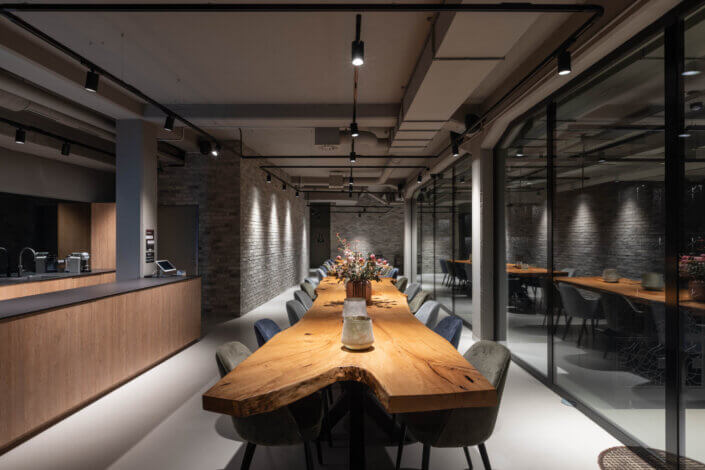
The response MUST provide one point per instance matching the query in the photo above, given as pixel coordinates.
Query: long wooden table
(410, 368)
(631, 289)
(516, 271)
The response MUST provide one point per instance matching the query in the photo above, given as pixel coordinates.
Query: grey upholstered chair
(462, 427)
(576, 305)
(314, 281)
(402, 282)
(265, 329)
(418, 300)
(411, 290)
(297, 423)
(428, 313)
(450, 328)
(309, 288)
(303, 297)
(321, 274)
(295, 311)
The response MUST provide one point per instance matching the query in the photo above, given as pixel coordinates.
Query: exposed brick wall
(212, 184)
(613, 225)
(274, 233)
(376, 233)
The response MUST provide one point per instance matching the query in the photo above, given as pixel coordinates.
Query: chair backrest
(394, 273)
(324, 268)
(229, 355)
(459, 270)
(658, 317)
(307, 287)
(295, 311)
(574, 303)
(321, 273)
(418, 300)
(444, 266)
(428, 313)
(621, 315)
(570, 272)
(265, 329)
(303, 297)
(402, 282)
(411, 290)
(450, 328)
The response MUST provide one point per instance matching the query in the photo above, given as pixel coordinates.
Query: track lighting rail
(344, 167)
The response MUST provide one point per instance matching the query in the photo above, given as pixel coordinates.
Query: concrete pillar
(482, 244)
(409, 241)
(135, 196)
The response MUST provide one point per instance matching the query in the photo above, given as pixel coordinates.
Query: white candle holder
(357, 332)
(354, 307)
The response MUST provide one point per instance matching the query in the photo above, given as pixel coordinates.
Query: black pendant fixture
(358, 47)
(65, 149)
(354, 130)
(20, 136)
(564, 65)
(269, 178)
(419, 179)
(169, 123)
(353, 157)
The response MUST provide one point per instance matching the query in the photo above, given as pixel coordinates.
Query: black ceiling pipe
(302, 7)
(346, 167)
(357, 155)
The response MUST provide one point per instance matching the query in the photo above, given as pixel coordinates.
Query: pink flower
(385, 262)
(338, 257)
(372, 256)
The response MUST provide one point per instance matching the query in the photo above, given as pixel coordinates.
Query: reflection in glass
(609, 214)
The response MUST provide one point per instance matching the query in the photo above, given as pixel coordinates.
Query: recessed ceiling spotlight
(697, 106)
(358, 47)
(169, 123)
(269, 177)
(92, 79)
(354, 130)
(691, 69)
(564, 65)
(20, 136)
(65, 148)
(353, 157)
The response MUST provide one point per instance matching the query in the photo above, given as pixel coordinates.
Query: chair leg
(568, 321)
(400, 448)
(327, 428)
(307, 454)
(485, 457)
(425, 456)
(319, 452)
(467, 457)
(582, 329)
(249, 453)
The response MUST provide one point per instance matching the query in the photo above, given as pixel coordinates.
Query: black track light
(284, 186)
(350, 192)
(20, 136)
(269, 177)
(92, 81)
(351, 181)
(353, 157)
(169, 123)
(455, 143)
(564, 67)
(354, 130)
(297, 193)
(216, 150)
(358, 47)
(359, 214)
(65, 148)
(205, 147)
(698, 106)
(419, 179)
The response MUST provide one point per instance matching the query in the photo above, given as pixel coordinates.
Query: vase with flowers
(356, 269)
(696, 283)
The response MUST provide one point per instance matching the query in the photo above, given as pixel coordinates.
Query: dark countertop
(14, 281)
(52, 300)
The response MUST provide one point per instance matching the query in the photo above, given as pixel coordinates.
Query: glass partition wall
(442, 212)
(604, 219)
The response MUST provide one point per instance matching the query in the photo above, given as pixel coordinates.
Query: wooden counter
(11, 289)
(62, 350)
(515, 271)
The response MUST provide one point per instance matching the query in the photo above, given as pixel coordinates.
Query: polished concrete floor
(156, 422)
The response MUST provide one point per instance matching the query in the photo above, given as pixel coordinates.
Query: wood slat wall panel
(54, 362)
(103, 235)
(43, 287)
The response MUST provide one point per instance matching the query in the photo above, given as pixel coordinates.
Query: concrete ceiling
(278, 76)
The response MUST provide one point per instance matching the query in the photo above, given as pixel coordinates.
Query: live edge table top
(409, 368)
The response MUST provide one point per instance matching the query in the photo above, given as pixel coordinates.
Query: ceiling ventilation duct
(336, 181)
(327, 138)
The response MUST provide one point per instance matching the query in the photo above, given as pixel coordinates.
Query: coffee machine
(78, 262)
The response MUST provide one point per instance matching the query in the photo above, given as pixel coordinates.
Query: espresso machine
(78, 262)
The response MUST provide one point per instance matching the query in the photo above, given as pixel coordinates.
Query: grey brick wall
(253, 237)
(613, 225)
(274, 234)
(212, 184)
(376, 233)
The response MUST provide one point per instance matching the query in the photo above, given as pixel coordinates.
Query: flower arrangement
(351, 265)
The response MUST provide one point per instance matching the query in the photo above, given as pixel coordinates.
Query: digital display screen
(165, 266)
